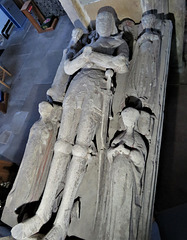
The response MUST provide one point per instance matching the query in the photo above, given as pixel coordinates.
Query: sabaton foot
(26, 229)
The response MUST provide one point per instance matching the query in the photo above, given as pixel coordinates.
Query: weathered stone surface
(148, 97)
(32, 175)
(105, 162)
(85, 106)
(58, 88)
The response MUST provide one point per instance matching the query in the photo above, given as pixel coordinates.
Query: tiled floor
(33, 59)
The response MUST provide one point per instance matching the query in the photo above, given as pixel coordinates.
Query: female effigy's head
(105, 24)
(130, 117)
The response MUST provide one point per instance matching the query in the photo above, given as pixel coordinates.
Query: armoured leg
(75, 175)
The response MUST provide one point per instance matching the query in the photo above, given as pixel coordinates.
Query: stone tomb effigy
(96, 167)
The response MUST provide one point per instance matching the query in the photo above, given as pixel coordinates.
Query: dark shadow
(165, 191)
(27, 210)
(73, 238)
(1, 51)
(173, 63)
(7, 177)
(165, 198)
(172, 223)
(133, 102)
(128, 37)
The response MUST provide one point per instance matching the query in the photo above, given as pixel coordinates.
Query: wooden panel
(4, 104)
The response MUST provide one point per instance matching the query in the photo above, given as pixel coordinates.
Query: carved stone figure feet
(56, 233)
(27, 228)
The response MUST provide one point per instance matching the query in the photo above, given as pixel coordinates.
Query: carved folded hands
(102, 61)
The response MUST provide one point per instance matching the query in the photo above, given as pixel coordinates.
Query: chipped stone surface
(151, 103)
(34, 168)
(107, 149)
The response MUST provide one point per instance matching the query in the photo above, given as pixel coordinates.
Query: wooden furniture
(7, 29)
(27, 9)
(3, 73)
(8, 171)
(4, 103)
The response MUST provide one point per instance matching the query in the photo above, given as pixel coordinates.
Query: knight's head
(105, 24)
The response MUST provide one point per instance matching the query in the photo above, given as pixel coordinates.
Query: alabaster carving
(124, 205)
(33, 171)
(58, 88)
(102, 177)
(127, 158)
(82, 107)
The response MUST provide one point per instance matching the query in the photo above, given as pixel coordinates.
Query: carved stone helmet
(105, 24)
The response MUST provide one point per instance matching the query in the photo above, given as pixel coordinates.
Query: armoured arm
(90, 59)
(118, 63)
(72, 66)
